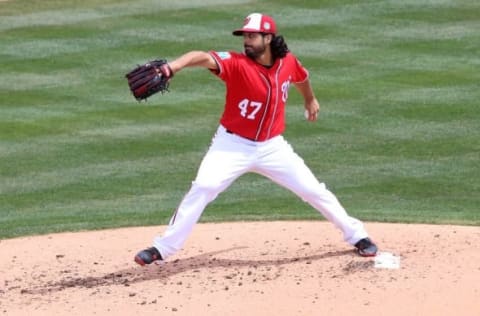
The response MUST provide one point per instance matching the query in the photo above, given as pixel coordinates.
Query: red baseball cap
(257, 23)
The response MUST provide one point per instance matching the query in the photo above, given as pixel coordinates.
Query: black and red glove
(149, 78)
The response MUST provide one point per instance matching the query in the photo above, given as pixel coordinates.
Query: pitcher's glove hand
(149, 78)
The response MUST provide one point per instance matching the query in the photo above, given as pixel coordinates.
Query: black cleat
(366, 248)
(147, 256)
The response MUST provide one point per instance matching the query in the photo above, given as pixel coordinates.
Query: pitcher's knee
(314, 192)
(209, 189)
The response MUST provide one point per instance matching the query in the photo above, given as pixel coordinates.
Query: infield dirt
(244, 268)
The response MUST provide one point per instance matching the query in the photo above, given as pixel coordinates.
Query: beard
(254, 52)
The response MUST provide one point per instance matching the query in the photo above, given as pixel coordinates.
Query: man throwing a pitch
(249, 137)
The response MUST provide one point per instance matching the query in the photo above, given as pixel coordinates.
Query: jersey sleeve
(299, 73)
(225, 61)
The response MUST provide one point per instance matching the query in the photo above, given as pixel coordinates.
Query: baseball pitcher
(249, 136)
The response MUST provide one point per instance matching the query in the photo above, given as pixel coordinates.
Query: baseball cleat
(366, 248)
(147, 256)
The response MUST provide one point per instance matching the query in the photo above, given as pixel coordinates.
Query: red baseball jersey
(256, 95)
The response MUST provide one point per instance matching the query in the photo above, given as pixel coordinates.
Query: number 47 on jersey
(249, 109)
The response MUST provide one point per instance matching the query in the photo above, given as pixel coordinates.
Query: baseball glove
(149, 78)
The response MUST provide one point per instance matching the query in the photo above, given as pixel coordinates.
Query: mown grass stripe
(96, 12)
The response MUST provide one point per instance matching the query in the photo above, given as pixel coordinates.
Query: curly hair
(278, 47)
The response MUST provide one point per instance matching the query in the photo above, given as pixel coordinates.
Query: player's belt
(230, 132)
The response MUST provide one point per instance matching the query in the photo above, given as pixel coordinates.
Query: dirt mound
(259, 268)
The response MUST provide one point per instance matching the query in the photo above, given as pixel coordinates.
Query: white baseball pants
(231, 156)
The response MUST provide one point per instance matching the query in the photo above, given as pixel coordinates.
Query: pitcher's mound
(254, 268)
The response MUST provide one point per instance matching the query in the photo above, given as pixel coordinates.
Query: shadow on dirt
(165, 270)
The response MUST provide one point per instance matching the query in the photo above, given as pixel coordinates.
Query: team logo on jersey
(285, 87)
(224, 55)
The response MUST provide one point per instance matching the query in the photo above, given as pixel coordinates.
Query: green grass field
(398, 139)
